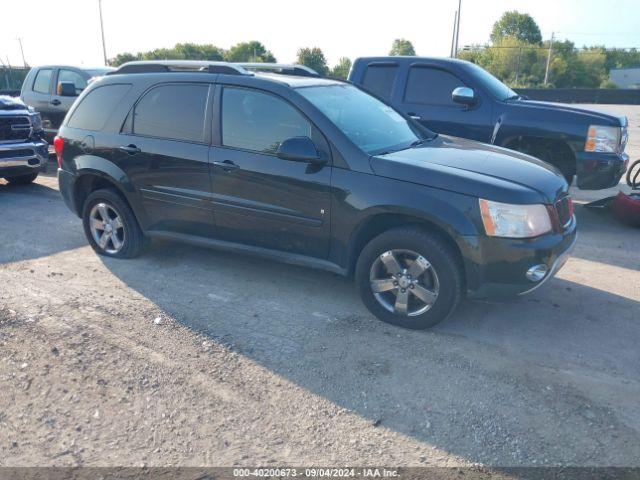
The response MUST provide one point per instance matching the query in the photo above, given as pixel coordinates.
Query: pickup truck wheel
(22, 179)
(556, 156)
(110, 225)
(409, 277)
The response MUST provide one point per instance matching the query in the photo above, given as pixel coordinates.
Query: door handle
(414, 116)
(55, 102)
(227, 165)
(130, 149)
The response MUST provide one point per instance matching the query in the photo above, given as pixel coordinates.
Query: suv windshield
(494, 86)
(372, 125)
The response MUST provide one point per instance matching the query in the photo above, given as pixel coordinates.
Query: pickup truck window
(372, 125)
(379, 79)
(72, 77)
(431, 86)
(495, 87)
(42, 83)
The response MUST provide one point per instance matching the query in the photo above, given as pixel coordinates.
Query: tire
(129, 240)
(443, 276)
(560, 160)
(22, 179)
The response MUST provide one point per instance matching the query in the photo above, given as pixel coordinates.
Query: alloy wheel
(404, 282)
(107, 227)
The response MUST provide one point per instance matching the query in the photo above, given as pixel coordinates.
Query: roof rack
(229, 68)
(283, 68)
(151, 66)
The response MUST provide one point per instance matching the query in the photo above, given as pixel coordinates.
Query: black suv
(309, 171)
(460, 98)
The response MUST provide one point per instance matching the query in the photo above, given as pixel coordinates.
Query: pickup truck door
(426, 97)
(38, 96)
(61, 105)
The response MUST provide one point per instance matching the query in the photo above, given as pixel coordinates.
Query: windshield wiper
(513, 97)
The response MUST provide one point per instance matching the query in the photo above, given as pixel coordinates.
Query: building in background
(625, 77)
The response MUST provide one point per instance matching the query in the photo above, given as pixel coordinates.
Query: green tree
(519, 25)
(341, 70)
(402, 47)
(123, 58)
(313, 58)
(249, 52)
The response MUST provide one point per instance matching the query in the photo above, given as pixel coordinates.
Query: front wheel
(409, 277)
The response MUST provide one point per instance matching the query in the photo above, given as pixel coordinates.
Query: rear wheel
(22, 179)
(110, 225)
(409, 277)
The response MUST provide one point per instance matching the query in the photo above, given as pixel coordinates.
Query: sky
(68, 31)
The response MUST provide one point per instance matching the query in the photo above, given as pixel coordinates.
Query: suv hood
(476, 169)
(589, 116)
(11, 103)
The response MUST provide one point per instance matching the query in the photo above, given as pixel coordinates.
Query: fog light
(537, 272)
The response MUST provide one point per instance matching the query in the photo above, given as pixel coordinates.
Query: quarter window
(174, 111)
(260, 122)
(72, 77)
(97, 106)
(431, 86)
(379, 79)
(42, 83)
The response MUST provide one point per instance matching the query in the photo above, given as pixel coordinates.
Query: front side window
(97, 106)
(42, 83)
(175, 112)
(372, 125)
(257, 121)
(379, 79)
(72, 77)
(431, 86)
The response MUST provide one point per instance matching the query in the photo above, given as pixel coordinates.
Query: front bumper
(497, 267)
(596, 171)
(23, 158)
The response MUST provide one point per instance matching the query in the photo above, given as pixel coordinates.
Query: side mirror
(299, 149)
(67, 89)
(464, 96)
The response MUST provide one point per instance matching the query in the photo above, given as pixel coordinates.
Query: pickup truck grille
(564, 209)
(14, 129)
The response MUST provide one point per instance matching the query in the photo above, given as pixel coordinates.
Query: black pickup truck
(458, 98)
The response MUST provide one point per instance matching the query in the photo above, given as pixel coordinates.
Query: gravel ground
(192, 357)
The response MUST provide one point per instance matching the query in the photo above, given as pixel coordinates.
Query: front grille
(564, 208)
(14, 129)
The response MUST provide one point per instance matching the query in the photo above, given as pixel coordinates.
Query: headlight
(602, 139)
(514, 221)
(36, 121)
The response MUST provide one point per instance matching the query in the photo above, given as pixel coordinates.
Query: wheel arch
(380, 222)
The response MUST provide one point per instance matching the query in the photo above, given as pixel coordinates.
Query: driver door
(258, 198)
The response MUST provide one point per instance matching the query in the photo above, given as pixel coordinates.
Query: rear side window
(174, 112)
(72, 77)
(42, 83)
(379, 79)
(258, 121)
(431, 86)
(95, 109)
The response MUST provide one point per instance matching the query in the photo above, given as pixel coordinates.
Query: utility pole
(24, 62)
(458, 26)
(453, 36)
(518, 65)
(104, 48)
(546, 73)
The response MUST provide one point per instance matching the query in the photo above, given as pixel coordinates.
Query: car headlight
(602, 139)
(36, 121)
(514, 221)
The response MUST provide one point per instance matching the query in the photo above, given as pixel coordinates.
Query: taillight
(58, 145)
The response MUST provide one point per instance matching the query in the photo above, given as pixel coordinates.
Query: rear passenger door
(427, 98)
(164, 148)
(38, 96)
(260, 199)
